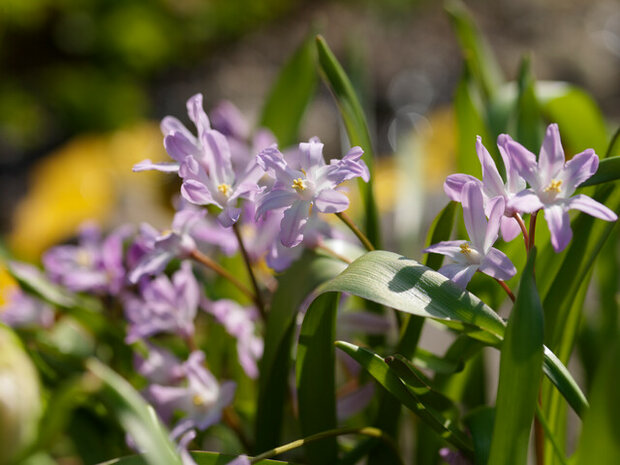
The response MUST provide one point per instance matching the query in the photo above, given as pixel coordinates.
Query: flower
(553, 182)
(95, 264)
(201, 400)
(165, 306)
(478, 253)
(313, 185)
(493, 185)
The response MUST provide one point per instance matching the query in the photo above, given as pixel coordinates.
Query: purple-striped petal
(525, 202)
(273, 200)
(178, 146)
(229, 216)
(579, 168)
(559, 226)
(148, 165)
(331, 201)
(453, 186)
(473, 214)
(509, 228)
(197, 114)
(496, 208)
(591, 207)
(497, 265)
(312, 154)
(293, 222)
(195, 192)
(524, 162)
(493, 184)
(450, 249)
(459, 274)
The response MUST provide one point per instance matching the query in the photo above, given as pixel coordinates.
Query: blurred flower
(313, 185)
(18, 308)
(160, 366)
(165, 306)
(94, 265)
(553, 182)
(477, 254)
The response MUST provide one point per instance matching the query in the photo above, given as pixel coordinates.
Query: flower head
(477, 254)
(312, 185)
(552, 184)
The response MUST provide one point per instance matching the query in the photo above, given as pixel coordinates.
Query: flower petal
(453, 186)
(459, 274)
(273, 200)
(525, 202)
(450, 249)
(551, 158)
(229, 216)
(197, 114)
(178, 146)
(591, 207)
(497, 265)
(509, 228)
(331, 201)
(559, 226)
(312, 154)
(493, 184)
(514, 182)
(147, 165)
(473, 214)
(496, 213)
(524, 162)
(579, 168)
(196, 192)
(293, 223)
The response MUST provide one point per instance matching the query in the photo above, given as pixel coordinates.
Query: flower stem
(360, 235)
(231, 419)
(506, 288)
(526, 237)
(532, 229)
(366, 431)
(258, 300)
(539, 434)
(224, 273)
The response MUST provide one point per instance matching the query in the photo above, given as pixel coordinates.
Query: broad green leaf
(520, 373)
(476, 51)
(429, 361)
(440, 230)
(386, 377)
(600, 440)
(357, 130)
(294, 285)
(137, 418)
(608, 170)
(201, 458)
(291, 94)
(406, 285)
(316, 383)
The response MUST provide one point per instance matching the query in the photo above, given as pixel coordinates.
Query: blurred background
(84, 83)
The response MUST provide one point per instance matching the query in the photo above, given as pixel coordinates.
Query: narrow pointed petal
(450, 249)
(497, 265)
(178, 146)
(218, 157)
(525, 202)
(272, 161)
(524, 162)
(473, 214)
(148, 165)
(559, 226)
(509, 228)
(197, 114)
(579, 168)
(312, 154)
(497, 207)
(591, 207)
(514, 182)
(453, 186)
(459, 274)
(551, 158)
(229, 216)
(293, 222)
(331, 201)
(492, 182)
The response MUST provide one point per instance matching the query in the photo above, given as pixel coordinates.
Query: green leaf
(480, 423)
(316, 384)
(406, 285)
(440, 230)
(600, 440)
(291, 94)
(529, 120)
(608, 170)
(520, 373)
(357, 130)
(293, 287)
(138, 419)
(476, 51)
(386, 377)
(429, 361)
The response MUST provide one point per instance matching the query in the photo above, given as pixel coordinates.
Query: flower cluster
(552, 182)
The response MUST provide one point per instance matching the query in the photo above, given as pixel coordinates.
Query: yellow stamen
(224, 189)
(554, 186)
(198, 400)
(466, 249)
(83, 258)
(299, 184)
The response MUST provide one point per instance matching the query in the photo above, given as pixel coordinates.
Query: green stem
(543, 422)
(360, 235)
(533, 229)
(612, 143)
(366, 431)
(246, 258)
(333, 253)
(223, 272)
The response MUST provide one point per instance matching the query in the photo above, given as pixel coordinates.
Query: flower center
(299, 184)
(554, 186)
(471, 256)
(466, 249)
(198, 400)
(224, 189)
(84, 258)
